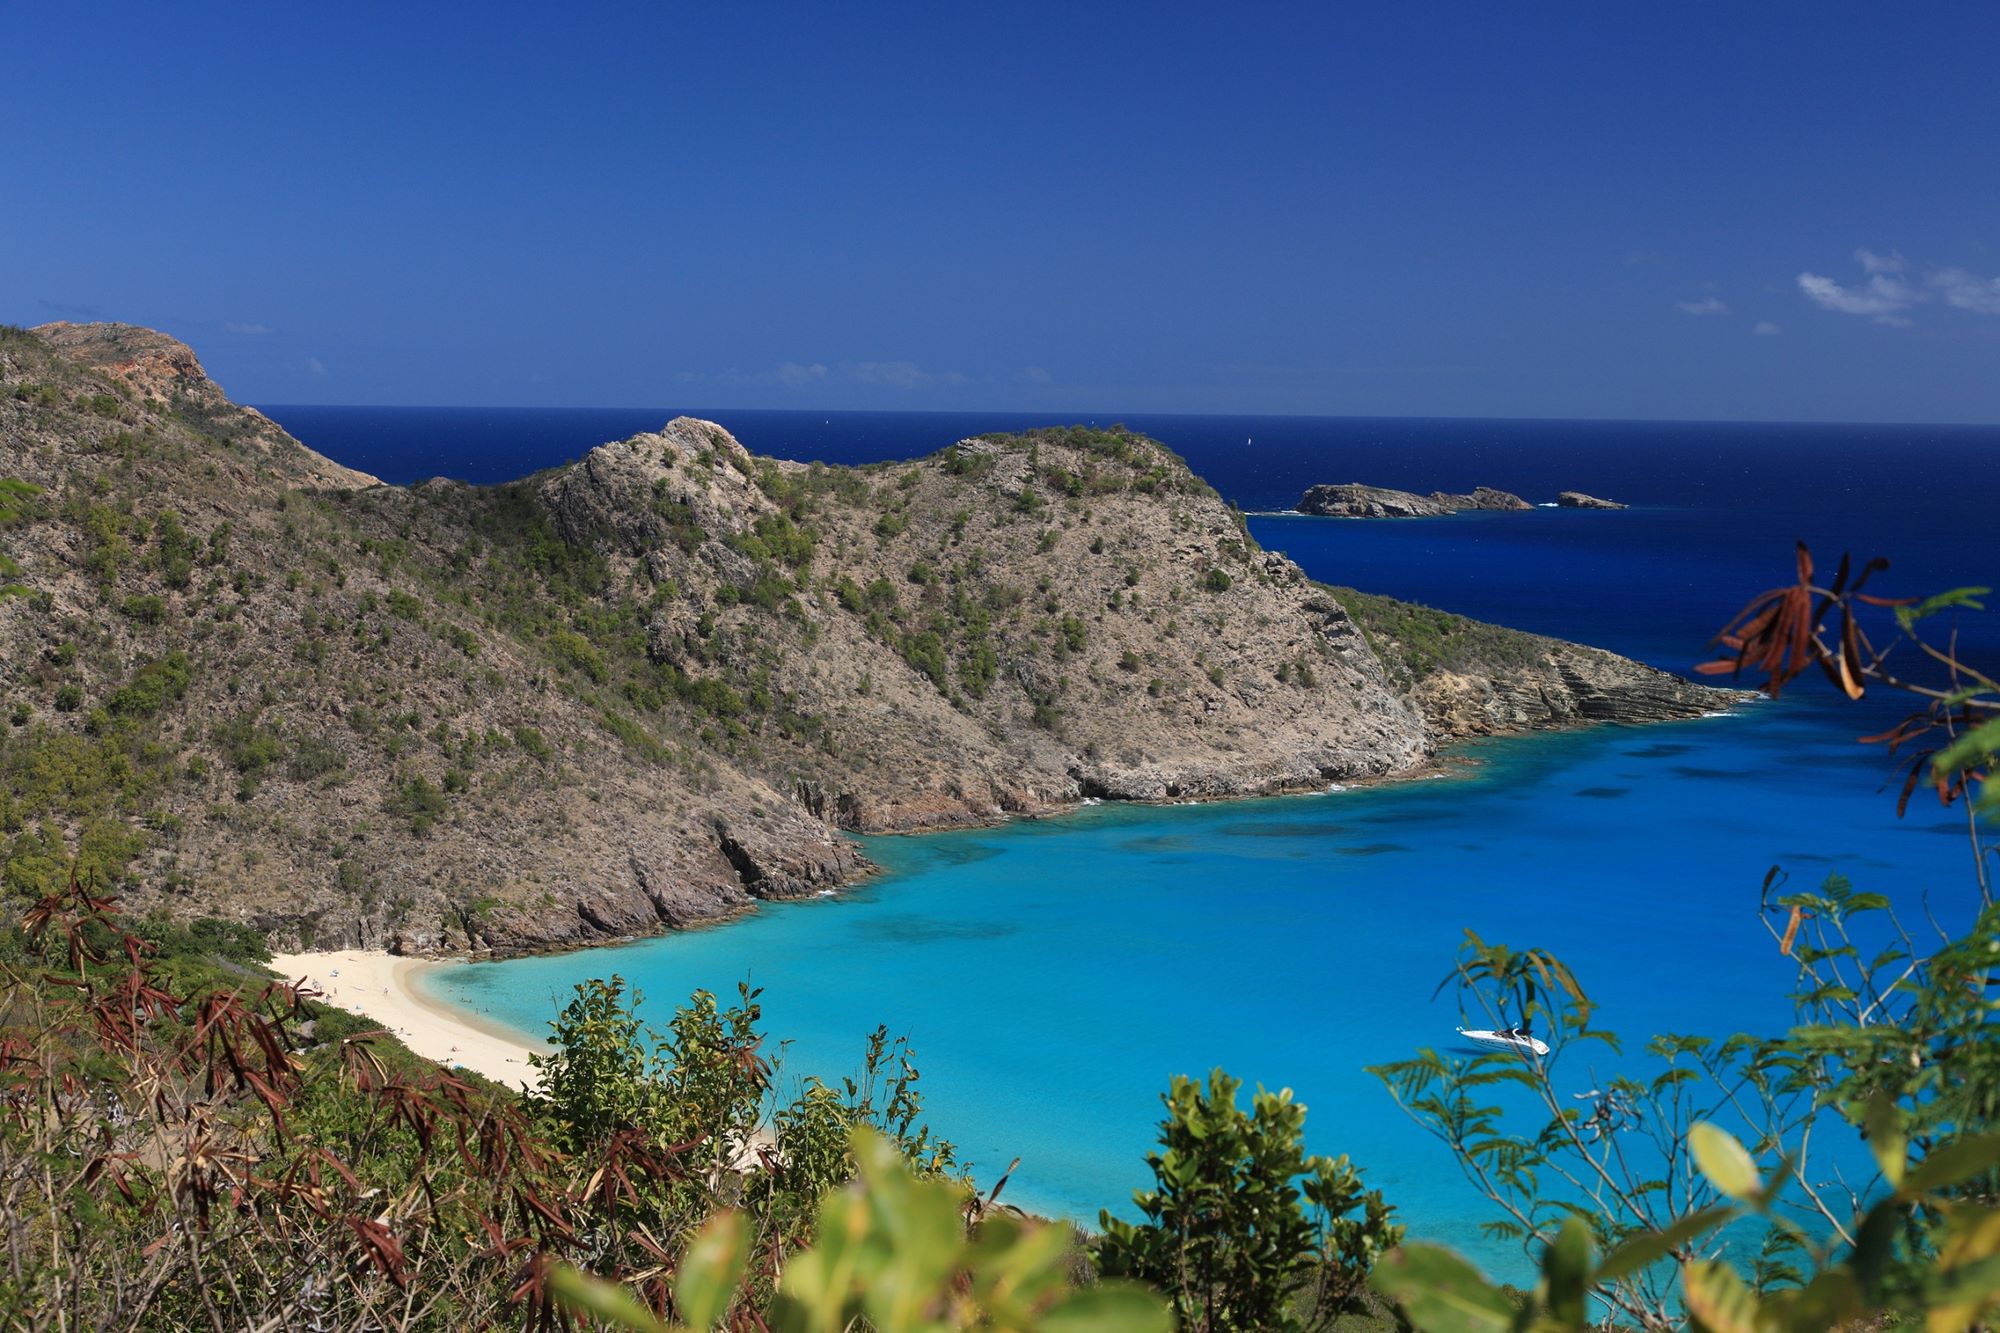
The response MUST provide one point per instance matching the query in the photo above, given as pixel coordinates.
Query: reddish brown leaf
(1910, 783)
(1850, 655)
(381, 1248)
(1791, 931)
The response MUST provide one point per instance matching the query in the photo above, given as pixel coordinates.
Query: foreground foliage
(1244, 1230)
(1896, 1042)
(229, 1154)
(893, 1254)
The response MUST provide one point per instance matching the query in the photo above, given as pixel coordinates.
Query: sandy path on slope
(383, 987)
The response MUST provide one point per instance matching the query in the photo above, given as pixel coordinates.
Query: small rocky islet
(1358, 500)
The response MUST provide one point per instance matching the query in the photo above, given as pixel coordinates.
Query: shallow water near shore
(1053, 975)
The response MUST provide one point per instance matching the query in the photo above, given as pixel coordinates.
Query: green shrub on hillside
(417, 799)
(153, 686)
(1419, 640)
(174, 551)
(205, 936)
(776, 537)
(573, 650)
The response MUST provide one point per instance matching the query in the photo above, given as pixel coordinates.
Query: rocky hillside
(1472, 679)
(639, 692)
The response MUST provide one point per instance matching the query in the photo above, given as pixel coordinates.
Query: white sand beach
(382, 987)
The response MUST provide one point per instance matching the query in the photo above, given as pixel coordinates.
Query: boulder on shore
(1578, 500)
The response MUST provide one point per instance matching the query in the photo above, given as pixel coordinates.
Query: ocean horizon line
(1069, 416)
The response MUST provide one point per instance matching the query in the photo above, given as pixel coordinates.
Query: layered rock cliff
(642, 691)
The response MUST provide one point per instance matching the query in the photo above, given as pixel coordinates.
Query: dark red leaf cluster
(1787, 630)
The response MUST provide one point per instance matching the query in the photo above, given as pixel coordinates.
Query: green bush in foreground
(1244, 1231)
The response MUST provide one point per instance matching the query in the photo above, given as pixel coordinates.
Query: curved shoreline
(386, 988)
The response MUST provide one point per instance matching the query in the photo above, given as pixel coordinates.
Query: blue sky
(1768, 211)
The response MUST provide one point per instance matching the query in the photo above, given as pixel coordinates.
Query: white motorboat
(1506, 1039)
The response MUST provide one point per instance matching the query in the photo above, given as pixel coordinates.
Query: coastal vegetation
(1415, 642)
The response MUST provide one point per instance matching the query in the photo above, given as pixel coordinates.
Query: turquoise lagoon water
(1053, 975)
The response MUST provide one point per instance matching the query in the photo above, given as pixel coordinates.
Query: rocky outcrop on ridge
(646, 690)
(152, 368)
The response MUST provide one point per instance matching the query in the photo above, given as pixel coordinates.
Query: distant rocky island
(1357, 500)
(1578, 500)
(653, 687)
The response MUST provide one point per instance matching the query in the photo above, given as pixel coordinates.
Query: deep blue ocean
(1053, 975)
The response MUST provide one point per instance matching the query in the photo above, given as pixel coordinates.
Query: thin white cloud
(1766, 329)
(1884, 299)
(793, 375)
(784, 375)
(1967, 292)
(247, 330)
(898, 374)
(1036, 375)
(1888, 295)
(1893, 262)
(315, 365)
(1707, 305)
(809, 374)
(893, 374)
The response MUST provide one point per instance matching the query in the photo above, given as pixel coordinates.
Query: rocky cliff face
(640, 692)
